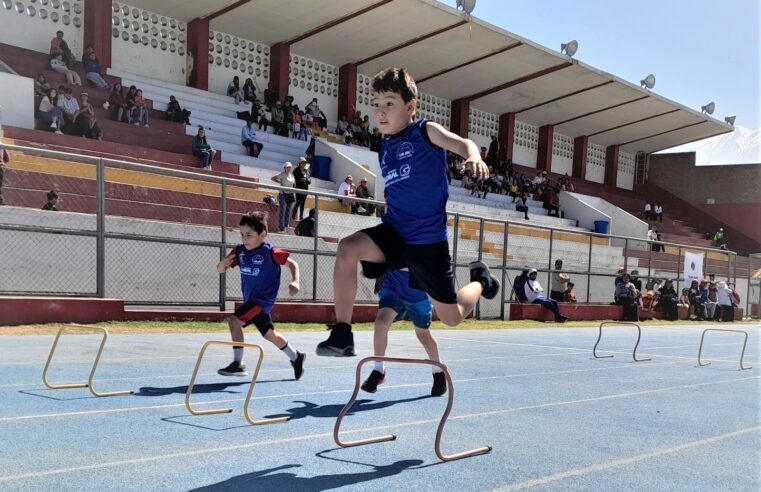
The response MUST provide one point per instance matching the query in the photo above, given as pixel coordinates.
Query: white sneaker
(361, 210)
(58, 132)
(54, 123)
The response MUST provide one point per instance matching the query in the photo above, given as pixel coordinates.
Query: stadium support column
(347, 91)
(97, 29)
(198, 46)
(506, 136)
(611, 165)
(544, 154)
(280, 58)
(580, 148)
(458, 123)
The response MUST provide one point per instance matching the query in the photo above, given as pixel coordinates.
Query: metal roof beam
(564, 96)
(663, 133)
(335, 22)
(633, 122)
(411, 42)
(225, 10)
(519, 80)
(470, 62)
(600, 110)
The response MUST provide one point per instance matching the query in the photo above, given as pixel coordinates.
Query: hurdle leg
(47, 366)
(193, 382)
(634, 352)
(594, 349)
(90, 385)
(246, 404)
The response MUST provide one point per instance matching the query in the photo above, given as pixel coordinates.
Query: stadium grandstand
(135, 192)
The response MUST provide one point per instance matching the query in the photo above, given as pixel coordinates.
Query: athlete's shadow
(200, 388)
(270, 481)
(309, 409)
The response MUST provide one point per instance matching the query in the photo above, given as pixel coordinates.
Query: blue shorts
(420, 312)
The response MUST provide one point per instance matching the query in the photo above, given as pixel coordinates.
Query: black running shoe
(375, 379)
(340, 343)
(561, 319)
(439, 384)
(298, 365)
(234, 369)
(479, 272)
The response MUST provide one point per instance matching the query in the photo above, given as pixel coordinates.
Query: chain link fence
(153, 236)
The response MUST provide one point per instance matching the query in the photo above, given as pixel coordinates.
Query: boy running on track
(413, 233)
(259, 264)
(397, 299)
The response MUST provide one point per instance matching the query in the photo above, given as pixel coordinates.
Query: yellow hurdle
(89, 383)
(250, 388)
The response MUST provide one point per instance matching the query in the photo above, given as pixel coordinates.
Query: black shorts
(251, 313)
(430, 264)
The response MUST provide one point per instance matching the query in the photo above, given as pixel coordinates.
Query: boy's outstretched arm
(226, 263)
(463, 147)
(293, 287)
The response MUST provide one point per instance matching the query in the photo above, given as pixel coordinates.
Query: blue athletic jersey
(259, 273)
(398, 282)
(415, 173)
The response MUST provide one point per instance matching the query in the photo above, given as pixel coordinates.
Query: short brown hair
(255, 220)
(398, 80)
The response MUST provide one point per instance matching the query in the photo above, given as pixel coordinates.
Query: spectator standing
(724, 298)
(247, 139)
(492, 155)
(559, 282)
(286, 197)
(648, 212)
(93, 69)
(58, 64)
(86, 123)
(719, 238)
(569, 295)
(303, 180)
(49, 113)
(118, 104)
(535, 295)
(658, 212)
(235, 91)
(522, 205)
(5, 158)
(52, 203)
(376, 139)
(202, 149)
(364, 192)
(175, 113)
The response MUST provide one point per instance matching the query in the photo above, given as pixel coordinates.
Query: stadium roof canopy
(497, 71)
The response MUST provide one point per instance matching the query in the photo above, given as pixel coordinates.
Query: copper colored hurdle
(742, 354)
(250, 387)
(391, 437)
(89, 383)
(599, 336)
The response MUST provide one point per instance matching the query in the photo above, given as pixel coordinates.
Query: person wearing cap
(278, 120)
(303, 179)
(559, 281)
(535, 295)
(286, 198)
(719, 238)
(364, 192)
(347, 188)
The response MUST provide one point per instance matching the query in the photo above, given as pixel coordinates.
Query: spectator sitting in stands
(648, 212)
(300, 130)
(348, 189)
(58, 46)
(313, 109)
(363, 192)
(658, 212)
(118, 104)
(709, 299)
(696, 307)
(269, 96)
(306, 227)
(559, 281)
(537, 181)
(202, 149)
(668, 301)
(41, 86)
(519, 286)
(130, 97)
(569, 295)
(265, 118)
(684, 299)
(376, 139)
(70, 108)
(343, 126)
(58, 64)
(249, 91)
(636, 280)
(52, 203)
(50, 113)
(247, 139)
(175, 113)
(726, 305)
(514, 189)
(139, 111)
(522, 205)
(720, 239)
(278, 120)
(553, 205)
(366, 130)
(535, 295)
(626, 295)
(235, 91)
(86, 123)
(93, 69)
(566, 185)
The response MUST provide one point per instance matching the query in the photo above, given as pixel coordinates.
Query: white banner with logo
(693, 268)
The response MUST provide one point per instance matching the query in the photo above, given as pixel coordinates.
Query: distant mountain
(743, 146)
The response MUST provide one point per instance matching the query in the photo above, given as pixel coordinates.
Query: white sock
(238, 354)
(437, 369)
(379, 366)
(290, 352)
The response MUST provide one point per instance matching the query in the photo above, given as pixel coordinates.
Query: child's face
(392, 114)
(250, 238)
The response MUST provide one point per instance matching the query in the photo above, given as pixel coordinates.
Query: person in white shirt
(658, 212)
(347, 188)
(648, 213)
(70, 107)
(559, 282)
(535, 295)
(286, 198)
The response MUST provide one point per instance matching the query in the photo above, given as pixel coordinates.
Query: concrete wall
(574, 205)
(34, 33)
(342, 164)
(16, 97)
(622, 222)
(237, 56)
(319, 80)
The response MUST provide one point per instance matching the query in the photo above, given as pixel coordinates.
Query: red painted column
(280, 55)
(97, 29)
(347, 91)
(506, 136)
(198, 45)
(544, 154)
(580, 148)
(458, 123)
(611, 165)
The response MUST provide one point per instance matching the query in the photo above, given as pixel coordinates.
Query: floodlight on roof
(648, 82)
(708, 108)
(570, 47)
(467, 6)
(730, 120)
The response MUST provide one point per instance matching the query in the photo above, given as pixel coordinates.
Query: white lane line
(198, 452)
(626, 461)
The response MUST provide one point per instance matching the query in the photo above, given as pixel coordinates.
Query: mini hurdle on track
(89, 383)
(725, 330)
(623, 323)
(391, 437)
(246, 404)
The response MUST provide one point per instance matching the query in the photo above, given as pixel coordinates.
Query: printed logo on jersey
(257, 260)
(383, 160)
(405, 151)
(405, 170)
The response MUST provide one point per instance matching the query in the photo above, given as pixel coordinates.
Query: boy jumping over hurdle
(397, 299)
(413, 233)
(259, 264)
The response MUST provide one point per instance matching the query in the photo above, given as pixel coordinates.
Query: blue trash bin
(321, 167)
(601, 226)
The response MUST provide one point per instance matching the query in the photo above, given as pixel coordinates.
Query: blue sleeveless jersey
(415, 173)
(398, 282)
(260, 273)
